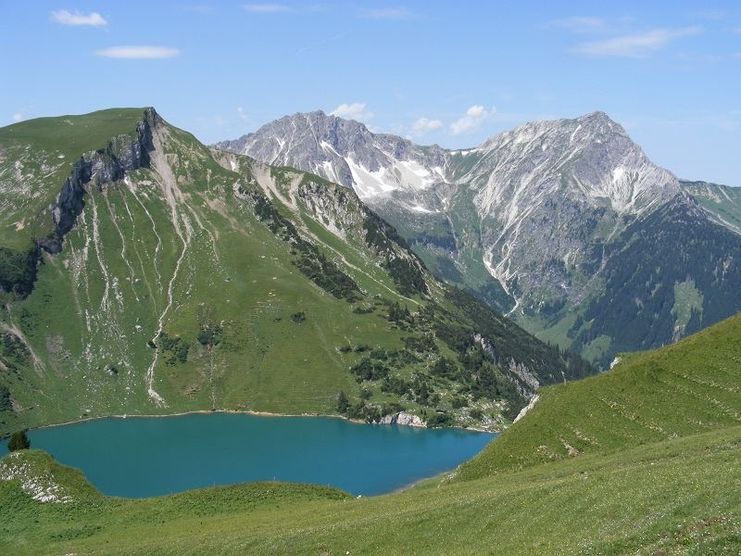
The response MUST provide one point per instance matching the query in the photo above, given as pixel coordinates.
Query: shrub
(361, 410)
(440, 419)
(174, 349)
(18, 270)
(19, 441)
(444, 367)
(342, 402)
(368, 369)
(390, 408)
(399, 314)
(424, 344)
(422, 390)
(459, 402)
(6, 403)
(396, 385)
(210, 335)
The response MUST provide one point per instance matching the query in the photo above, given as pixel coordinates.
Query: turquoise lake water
(141, 457)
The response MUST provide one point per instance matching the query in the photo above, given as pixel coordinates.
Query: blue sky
(451, 73)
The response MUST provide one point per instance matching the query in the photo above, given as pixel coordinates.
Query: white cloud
(385, 13)
(242, 113)
(353, 111)
(65, 17)
(18, 117)
(138, 52)
(585, 24)
(635, 46)
(472, 119)
(267, 8)
(425, 125)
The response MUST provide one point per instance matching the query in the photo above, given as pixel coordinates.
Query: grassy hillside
(668, 491)
(687, 388)
(166, 277)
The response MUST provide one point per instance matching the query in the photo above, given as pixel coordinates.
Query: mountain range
(564, 225)
(142, 272)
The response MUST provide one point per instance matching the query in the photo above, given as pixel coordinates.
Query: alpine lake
(139, 457)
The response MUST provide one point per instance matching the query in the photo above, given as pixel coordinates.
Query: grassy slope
(55, 144)
(234, 272)
(686, 388)
(639, 491)
(721, 201)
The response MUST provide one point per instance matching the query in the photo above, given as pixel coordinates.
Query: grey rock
(402, 418)
(123, 153)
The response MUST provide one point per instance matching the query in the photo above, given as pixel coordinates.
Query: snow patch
(368, 183)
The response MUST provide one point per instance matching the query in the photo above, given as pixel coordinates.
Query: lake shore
(236, 412)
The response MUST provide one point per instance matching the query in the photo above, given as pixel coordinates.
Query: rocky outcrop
(527, 408)
(122, 154)
(526, 382)
(39, 483)
(402, 418)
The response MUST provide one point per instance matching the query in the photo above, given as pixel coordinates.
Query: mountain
(565, 225)
(642, 459)
(141, 272)
(345, 152)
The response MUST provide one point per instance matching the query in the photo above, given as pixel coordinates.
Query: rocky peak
(343, 151)
(590, 158)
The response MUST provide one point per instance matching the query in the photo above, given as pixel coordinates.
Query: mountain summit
(345, 152)
(555, 222)
(590, 158)
(601, 160)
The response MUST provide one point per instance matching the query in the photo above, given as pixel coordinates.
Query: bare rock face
(527, 408)
(549, 194)
(540, 199)
(123, 153)
(402, 418)
(344, 152)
